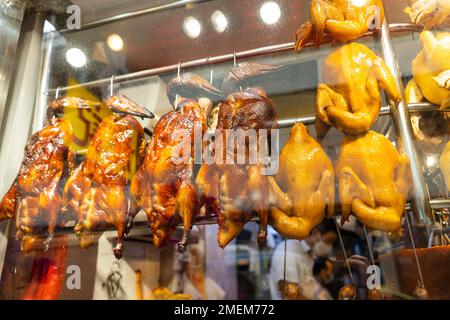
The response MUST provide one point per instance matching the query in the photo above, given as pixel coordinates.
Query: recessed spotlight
(431, 161)
(219, 21)
(192, 27)
(115, 42)
(76, 58)
(270, 12)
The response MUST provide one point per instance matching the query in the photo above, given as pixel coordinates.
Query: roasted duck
(34, 198)
(231, 190)
(97, 193)
(164, 185)
(343, 20)
(192, 86)
(430, 13)
(444, 163)
(431, 70)
(350, 97)
(374, 181)
(303, 189)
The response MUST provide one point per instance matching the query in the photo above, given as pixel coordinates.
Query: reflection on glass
(219, 21)
(115, 42)
(192, 27)
(76, 58)
(270, 12)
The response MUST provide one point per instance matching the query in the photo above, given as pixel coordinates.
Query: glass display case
(345, 106)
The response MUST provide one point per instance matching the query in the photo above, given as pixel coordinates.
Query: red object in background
(47, 274)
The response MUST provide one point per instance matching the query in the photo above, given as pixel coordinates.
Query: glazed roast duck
(165, 188)
(343, 20)
(97, 192)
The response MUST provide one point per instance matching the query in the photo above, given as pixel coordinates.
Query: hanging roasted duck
(374, 181)
(303, 188)
(34, 198)
(164, 185)
(97, 192)
(343, 20)
(430, 13)
(235, 191)
(349, 99)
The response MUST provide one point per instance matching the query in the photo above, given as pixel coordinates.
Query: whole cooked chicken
(444, 163)
(431, 70)
(231, 189)
(303, 189)
(349, 99)
(34, 198)
(430, 13)
(164, 185)
(374, 181)
(343, 20)
(97, 193)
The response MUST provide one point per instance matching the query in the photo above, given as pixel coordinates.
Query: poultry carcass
(431, 70)
(34, 198)
(444, 163)
(303, 189)
(343, 20)
(349, 99)
(374, 181)
(164, 185)
(97, 193)
(231, 190)
(430, 13)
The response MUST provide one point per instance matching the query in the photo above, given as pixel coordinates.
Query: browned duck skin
(235, 191)
(121, 104)
(164, 187)
(97, 193)
(34, 199)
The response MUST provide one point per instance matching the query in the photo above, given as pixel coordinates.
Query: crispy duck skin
(349, 99)
(97, 192)
(121, 104)
(303, 189)
(190, 85)
(343, 20)
(374, 181)
(34, 199)
(164, 187)
(235, 191)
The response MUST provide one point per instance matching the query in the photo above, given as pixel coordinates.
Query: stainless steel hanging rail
(283, 47)
(133, 14)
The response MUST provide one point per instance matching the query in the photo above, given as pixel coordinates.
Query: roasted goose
(235, 191)
(350, 97)
(430, 13)
(34, 198)
(164, 185)
(374, 181)
(343, 20)
(431, 70)
(303, 189)
(97, 193)
(192, 86)
(444, 163)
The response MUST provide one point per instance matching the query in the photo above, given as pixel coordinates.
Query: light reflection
(115, 42)
(219, 21)
(76, 58)
(270, 12)
(192, 27)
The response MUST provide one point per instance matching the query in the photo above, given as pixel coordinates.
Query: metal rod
(283, 47)
(133, 14)
(341, 242)
(369, 244)
(111, 86)
(285, 262)
(419, 270)
(402, 123)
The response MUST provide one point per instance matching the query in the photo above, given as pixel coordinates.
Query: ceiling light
(270, 12)
(219, 21)
(76, 58)
(431, 161)
(115, 42)
(192, 27)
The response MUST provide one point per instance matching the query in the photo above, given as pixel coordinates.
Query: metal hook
(179, 69)
(57, 93)
(211, 73)
(234, 59)
(111, 89)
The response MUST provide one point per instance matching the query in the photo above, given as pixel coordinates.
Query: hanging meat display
(349, 99)
(303, 188)
(374, 181)
(34, 198)
(97, 192)
(430, 13)
(164, 185)
(342, 20)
